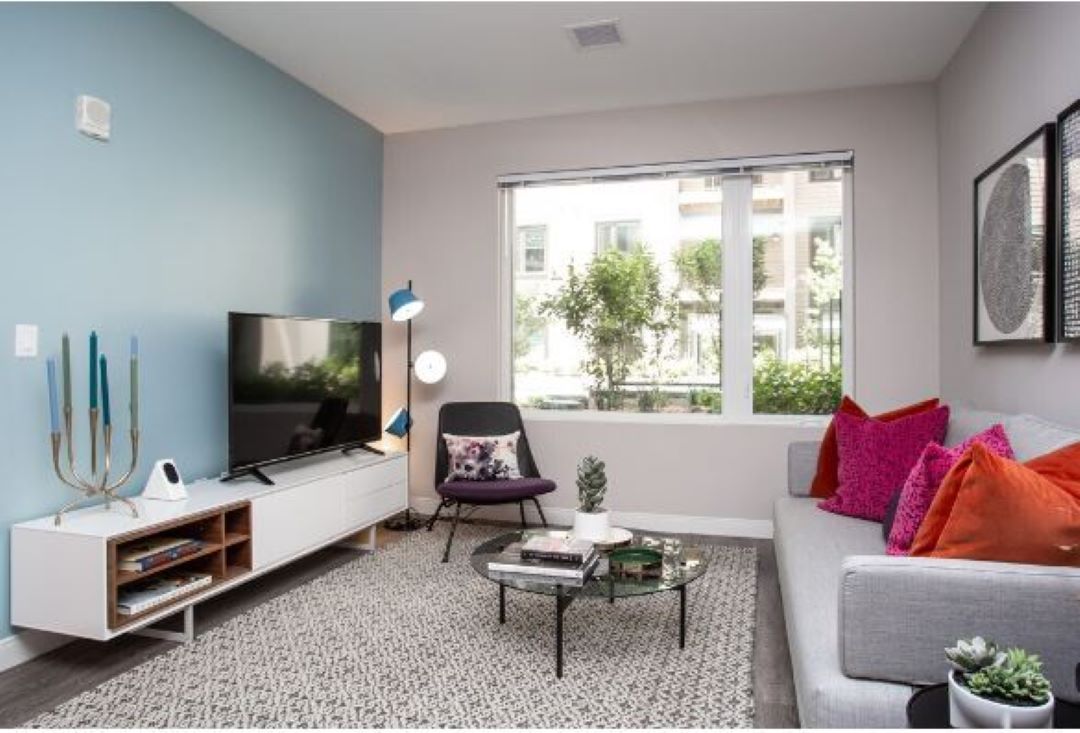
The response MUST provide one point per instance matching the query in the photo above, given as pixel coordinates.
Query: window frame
(616, 224)
(737, 327)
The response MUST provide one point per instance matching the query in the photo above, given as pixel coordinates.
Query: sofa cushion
(1030, 436)
(810, 583)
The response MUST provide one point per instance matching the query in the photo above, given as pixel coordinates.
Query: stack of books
(561, 560)
(155, 552)
(158, 591)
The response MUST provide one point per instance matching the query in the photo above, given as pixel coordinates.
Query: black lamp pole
(406, 522)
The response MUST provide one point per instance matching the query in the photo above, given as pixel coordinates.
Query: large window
(682, 290)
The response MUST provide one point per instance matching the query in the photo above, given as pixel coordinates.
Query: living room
(700, 284)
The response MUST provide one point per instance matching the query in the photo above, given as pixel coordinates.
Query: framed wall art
(1068, 260)
(1014, 244)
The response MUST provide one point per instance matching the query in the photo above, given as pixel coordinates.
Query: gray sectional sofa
(864, 628)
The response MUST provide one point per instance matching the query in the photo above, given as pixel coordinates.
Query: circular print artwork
(1007, 251)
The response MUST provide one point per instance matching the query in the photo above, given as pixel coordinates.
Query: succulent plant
(1013, 677)
(591, 483)
(971, 655)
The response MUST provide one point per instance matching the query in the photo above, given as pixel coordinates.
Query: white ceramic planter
(968, 710)
(592, 526)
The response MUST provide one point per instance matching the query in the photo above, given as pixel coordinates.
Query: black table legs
(682, 616)
(562, 602)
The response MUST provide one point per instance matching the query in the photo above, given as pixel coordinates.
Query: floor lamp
(429, 367)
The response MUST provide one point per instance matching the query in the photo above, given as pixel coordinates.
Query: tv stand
(65, 577)
(363, 447)
(255, 473)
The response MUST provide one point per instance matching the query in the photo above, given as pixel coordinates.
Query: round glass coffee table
(601, 585)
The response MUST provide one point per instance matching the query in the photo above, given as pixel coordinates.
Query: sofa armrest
(802, 459)
(897, 615)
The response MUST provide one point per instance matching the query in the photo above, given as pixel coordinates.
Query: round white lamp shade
(430, 367)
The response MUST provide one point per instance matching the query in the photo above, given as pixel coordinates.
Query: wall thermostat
(93, 117)
(165, 482)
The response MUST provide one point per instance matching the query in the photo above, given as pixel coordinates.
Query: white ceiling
(412, 66)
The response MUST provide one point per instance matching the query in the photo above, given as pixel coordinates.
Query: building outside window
(618, 235)
(639, 298)
(532, 247)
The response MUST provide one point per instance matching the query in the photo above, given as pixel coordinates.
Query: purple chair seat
(495, 492)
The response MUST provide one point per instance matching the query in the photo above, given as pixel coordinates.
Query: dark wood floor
(43, 683)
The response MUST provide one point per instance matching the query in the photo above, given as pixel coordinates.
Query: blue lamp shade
(399, 423)
(404, 305)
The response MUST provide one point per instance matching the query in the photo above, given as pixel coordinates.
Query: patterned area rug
(400, 640)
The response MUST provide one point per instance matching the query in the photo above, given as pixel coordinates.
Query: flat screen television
(300, 386)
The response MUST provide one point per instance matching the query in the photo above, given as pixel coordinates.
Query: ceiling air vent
(595, 34)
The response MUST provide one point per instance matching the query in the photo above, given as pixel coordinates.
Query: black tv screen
(299, 386)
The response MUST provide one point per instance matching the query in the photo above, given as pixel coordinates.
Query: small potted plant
(989, 688)
(591, 520)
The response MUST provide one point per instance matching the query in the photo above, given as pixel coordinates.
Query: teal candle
(106, 415)
(66, 364)
(54, 410)
(93, 370)
(134, 383)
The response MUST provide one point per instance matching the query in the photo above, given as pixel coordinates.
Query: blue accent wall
(227, 185)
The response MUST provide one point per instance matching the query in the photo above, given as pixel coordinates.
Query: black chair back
(482, 418)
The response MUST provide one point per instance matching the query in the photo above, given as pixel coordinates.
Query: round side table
(929, 708)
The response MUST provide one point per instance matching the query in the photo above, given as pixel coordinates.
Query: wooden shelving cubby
(225, 554)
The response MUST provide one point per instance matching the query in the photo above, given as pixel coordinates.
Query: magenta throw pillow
(876, 457)
(925, 479)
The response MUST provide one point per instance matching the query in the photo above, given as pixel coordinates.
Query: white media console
(64, 578)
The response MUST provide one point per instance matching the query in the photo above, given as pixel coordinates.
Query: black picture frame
(1046, 139)
(1067, 283)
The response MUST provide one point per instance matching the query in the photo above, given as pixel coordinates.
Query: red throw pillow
(826, 480)
(993, 508)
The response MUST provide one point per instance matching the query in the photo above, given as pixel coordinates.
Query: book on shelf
(158, 591)
(154, 552)
(511, 561)
(557, 549)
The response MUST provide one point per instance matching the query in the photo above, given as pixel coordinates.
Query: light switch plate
(26, 340)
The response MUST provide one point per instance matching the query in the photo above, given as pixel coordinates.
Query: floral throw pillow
(482, 458)
(926, 478)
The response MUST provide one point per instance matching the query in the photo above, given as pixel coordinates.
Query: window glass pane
(619, 309)
(797, 283)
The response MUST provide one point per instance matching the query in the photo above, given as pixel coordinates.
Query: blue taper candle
(93, 370)
(66, 370)
(106, 416)
(54, 409)
(134, 402)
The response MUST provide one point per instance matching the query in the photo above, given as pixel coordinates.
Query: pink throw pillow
(925, 479)
(876, 457)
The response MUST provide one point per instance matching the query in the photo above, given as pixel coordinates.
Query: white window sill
(674, 418)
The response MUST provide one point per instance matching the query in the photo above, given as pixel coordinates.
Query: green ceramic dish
(635, 561)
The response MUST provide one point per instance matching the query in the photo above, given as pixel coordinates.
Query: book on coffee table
(557, 549)
(511, 561)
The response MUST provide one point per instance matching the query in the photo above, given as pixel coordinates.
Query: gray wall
(1017, 69)
(440, 228)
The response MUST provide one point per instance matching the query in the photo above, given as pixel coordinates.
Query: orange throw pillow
(825, 480)
(993, 508)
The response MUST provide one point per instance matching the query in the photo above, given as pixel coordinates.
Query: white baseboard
(23, 646)
(674, 523)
